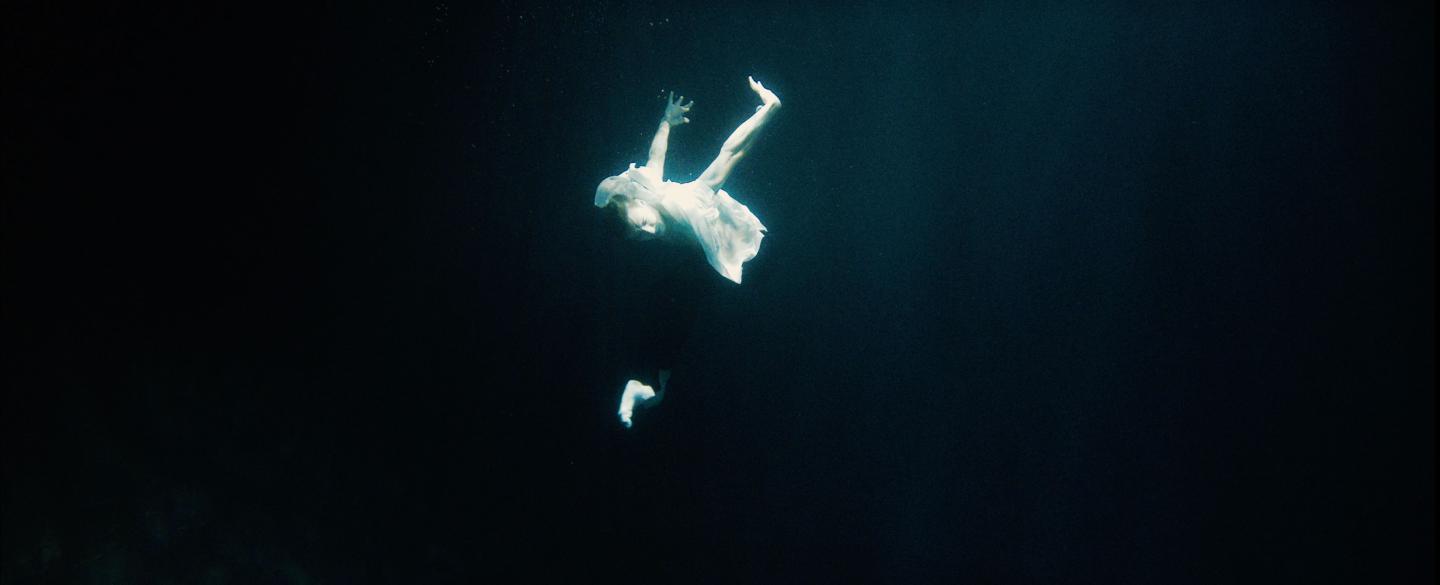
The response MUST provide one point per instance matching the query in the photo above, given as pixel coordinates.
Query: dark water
(1052, 293)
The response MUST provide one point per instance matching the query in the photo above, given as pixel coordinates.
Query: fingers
(680, 103)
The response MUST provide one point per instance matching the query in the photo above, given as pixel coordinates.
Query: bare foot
(766, 96)
(634, 395)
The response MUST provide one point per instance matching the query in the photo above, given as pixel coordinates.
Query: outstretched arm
(674, 116)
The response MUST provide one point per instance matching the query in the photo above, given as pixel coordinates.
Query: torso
(679, 204)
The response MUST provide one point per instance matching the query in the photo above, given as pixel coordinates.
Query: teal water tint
(1051, 293)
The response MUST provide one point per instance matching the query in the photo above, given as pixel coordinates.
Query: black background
(1052, 293)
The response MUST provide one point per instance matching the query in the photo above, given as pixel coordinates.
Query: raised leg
(741, 139)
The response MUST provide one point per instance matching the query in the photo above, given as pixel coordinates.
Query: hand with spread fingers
(675, 110)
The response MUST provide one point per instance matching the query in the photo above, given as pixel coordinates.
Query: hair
(660, 225)
(616, 225)
(618, 203)
(617, 212)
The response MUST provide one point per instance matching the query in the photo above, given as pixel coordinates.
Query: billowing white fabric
(725, 229)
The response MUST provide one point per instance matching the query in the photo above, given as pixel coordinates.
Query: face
(642, 217)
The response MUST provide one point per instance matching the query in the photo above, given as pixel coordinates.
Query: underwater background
(1052, 293)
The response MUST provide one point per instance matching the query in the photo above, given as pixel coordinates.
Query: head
(641, 220)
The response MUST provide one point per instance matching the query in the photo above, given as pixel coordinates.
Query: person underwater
(700, 212)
